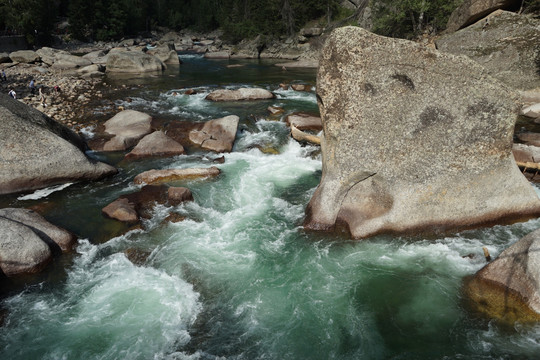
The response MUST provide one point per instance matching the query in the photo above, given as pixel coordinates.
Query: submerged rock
(508, 288)
(130, 208)
(37, 152)
(171, 175)
(178, 195)
(155, 144)
(216, 135)
(438, 156)
(240, 94)
(128, 127)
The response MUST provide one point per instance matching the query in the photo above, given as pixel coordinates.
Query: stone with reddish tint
(177, 195)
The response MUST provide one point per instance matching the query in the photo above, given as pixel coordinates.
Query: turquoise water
(240, 278)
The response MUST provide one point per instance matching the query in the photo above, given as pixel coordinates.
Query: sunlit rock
(36, 151)
(508, 288)
(128, 127)
(155, 144)
(240, 94)
(506, 44)
(437, 156)
(303, 121)
(216, 135)
(172, 175)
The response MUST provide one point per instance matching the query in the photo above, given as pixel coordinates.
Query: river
(240, 278)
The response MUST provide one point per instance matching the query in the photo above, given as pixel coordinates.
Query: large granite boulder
(508, 288)
(155, 144)
(68, 61)
(471, 11)
(37, 152)
(216, 135)
(48, 55)
(133, 62)
(166, 53)
(128, 127)
(438, 154)
(24, 56)
(506, 44)
(240, 94)
(48, 232)
(21, 250)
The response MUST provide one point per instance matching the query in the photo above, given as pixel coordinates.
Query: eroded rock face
(216, 135)
(508, 288)
(506, 44)
(471, 11)
(437, 156)
(37, 152)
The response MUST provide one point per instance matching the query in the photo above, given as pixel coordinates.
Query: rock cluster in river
(28, 241)
(437, 156)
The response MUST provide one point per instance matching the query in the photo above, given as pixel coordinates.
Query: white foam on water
(43, 193)
(108, 309)
(88, 131)
(191, 56)
(306, 96)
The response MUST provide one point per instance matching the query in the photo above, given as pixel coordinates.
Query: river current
(239, 278)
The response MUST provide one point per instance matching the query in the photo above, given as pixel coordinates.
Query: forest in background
(102, 20)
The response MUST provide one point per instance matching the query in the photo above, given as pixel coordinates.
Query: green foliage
(531, 7)
(411, 18)
(32, 18)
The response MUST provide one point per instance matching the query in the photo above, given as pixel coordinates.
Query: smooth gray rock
(128, 127)
(506, 45)
(48, 55)
(156, 144)
(24, 56)
(21, 250)
(166, 53)
(37, 152)
(133, 62)
(61, 237)
(216, 135)
(508, 288)
(437, 156)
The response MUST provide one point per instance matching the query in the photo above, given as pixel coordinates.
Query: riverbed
(239, 278)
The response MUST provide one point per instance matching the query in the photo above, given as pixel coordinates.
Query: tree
(410, 18)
